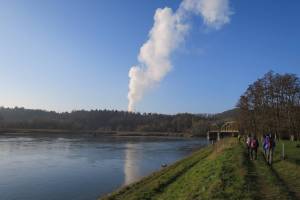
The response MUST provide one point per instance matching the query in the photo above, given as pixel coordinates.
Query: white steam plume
(168, 31)
(215, 13)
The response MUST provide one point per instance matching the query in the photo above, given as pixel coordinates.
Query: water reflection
(131, 165)
(59, 167)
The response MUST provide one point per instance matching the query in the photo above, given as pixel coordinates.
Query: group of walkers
(268, 146)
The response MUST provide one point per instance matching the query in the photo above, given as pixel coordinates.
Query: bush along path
(220, 171)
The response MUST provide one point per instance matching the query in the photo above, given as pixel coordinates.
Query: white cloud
(168, 31)
(215, 13)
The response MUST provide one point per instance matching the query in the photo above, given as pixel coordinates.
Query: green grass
(222, 171)
(288, 170)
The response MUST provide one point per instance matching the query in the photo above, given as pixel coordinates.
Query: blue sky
(65, 55)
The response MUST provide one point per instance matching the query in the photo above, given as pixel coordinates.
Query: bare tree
(271, 104)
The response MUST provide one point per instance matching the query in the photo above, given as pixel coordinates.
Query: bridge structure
(229, 129)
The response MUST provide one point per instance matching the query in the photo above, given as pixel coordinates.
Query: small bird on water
(164, 165)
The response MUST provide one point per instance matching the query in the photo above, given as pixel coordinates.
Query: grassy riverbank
(222, 171)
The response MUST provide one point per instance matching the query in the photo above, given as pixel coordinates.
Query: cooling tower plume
(168, 32)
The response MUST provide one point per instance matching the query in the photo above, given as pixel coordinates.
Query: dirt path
(265, 183)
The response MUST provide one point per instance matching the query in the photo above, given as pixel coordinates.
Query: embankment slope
(220, 171)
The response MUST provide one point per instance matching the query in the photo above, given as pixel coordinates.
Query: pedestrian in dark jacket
(254, 144)
(270, 151)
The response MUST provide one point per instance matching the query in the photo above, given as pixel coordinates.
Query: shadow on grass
(291, 194)
(281, 182)
(251, 178)
(293, 161)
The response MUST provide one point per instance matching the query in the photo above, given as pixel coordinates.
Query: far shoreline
(95, 133)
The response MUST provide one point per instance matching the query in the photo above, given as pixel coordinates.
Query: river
(81, 167)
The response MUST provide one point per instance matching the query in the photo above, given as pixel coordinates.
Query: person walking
(271, 148)
(265, 144)
(239, 137)
(248, 141)
(254, 144)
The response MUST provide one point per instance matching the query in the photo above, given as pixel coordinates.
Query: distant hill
(229, 115)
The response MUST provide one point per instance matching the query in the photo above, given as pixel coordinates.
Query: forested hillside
(108, 120)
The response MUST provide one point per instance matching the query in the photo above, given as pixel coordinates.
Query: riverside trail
(220, 171)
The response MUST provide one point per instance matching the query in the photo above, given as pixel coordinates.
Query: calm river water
(81, 167)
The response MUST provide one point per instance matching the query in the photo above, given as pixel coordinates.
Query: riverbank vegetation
(221, 171)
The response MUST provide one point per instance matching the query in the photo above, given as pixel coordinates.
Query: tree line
(107, 120)
(271, 105)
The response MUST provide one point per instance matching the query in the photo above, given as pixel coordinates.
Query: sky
(67, 55)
